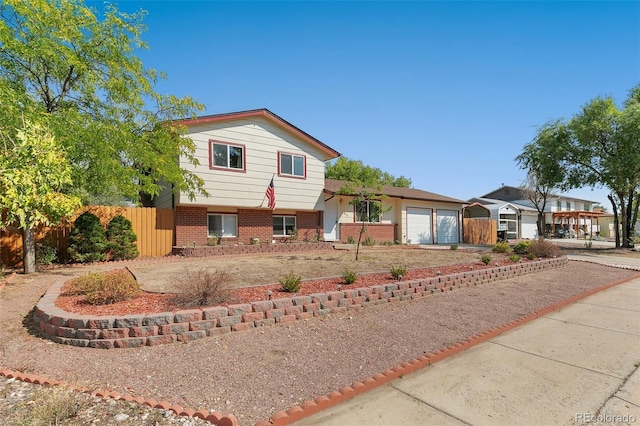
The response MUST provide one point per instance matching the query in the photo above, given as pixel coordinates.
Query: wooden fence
(480, 231)
(153, 227)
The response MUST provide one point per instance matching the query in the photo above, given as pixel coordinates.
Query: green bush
(201, 287)
(369, 242)
(514, 258)
(396, 271)
(531, 256)
(46, 254)
(543, 248)
(454, 247)
(349, 276)
(87, 240)
(351, 240)
(522, 247)
(121, 239)
(501, 247)
(291, 282)
(486, 259)
(105, 288)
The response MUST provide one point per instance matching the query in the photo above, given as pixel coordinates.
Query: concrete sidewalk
(573, 366)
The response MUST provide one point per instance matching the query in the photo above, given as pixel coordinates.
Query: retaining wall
(221, 250)
(107, 332)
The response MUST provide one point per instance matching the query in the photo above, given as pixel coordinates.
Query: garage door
(419, 226)
(447, 226)
(529, 227)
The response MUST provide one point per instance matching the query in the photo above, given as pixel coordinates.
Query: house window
(291, 165)
(587, 207)
(559, 205)
(284, 225)
(227, 156)
(368, 211)
(225, 225)
(568, 205)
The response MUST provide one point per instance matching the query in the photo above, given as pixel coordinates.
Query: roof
(332, 186)
(269, 116)
(513, 193)
(496, 204)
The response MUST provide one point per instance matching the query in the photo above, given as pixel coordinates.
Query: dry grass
(202, 287)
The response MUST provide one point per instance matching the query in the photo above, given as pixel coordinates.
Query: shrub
(522, 247)
(501, 247)
(454, 247)
(531, 256)
(87, 239)
(543, 248)
(514, 258)
(101, 288)
(291, 282)
(397, 271)
(212, 241)
(349, 276)
(351, 240)
(369, 242)
(46, 254)
(387, 243)
(121, 239)
(486, 259)
(201, 287)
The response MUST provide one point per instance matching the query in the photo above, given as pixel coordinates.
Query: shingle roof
(332, 186)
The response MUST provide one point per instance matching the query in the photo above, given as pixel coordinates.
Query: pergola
(574, 220)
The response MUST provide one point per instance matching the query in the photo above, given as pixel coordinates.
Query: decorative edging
(108, 332)
(310, 407)
(215, 417)
(7, 280)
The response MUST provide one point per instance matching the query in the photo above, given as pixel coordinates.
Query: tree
(121, 239)
(87, 239)
(600, 146)
(78, 72)
(355, 171)
(33, 174)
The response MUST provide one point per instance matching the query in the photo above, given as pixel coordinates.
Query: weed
(349, 276)
(398, 271)
(351, 240)
(101, 288)
(514, 258)
(454, 247)
(543, 248)
(212, 241)
(588, 244)
(501, 247)
(369, 242)
(202, 287)
(291, 282)
(486, 259)
(531, 256)
(50, 406)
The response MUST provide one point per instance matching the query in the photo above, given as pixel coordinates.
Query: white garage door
(419, 226)
(528, 227)
(447, 226)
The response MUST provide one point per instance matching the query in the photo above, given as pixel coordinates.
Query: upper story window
(559, 205)
(368, 211)
(568, 205)
(587, 207)
(292, 165)
(226, 156)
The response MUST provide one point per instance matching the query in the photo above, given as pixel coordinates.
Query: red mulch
(153, 302)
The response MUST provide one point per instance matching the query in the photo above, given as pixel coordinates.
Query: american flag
(271, 195)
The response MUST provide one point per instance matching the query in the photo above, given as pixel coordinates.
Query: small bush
(486, 259)
(201, 287)
(46, 254)
(543, 248)
(531, 256)
(501, 247)
(369, 242)
(454, 247)
(54, 405)
(522, 247)
(396, 271)
(87, 239)
(349, 276)
(291, 282)
(514, 258)
(121, 239)
(351, 240)
(105, 288)
(387, 243)
(212, 241)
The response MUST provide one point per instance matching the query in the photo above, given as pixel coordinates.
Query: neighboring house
(563, 214)
(240, 155)
(514, 221)
(414, 217)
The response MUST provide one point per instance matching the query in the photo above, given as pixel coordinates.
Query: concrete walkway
(573, 366)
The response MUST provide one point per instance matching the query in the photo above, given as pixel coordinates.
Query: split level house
(516, 216)
(265, 179)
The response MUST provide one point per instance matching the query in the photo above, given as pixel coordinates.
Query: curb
(310, 407)
(7, 280)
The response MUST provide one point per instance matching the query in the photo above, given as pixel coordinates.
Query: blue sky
(444, 93)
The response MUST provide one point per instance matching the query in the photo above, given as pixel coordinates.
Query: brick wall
(309, 226)
(255, 224)
(191, 226)
(379, 232)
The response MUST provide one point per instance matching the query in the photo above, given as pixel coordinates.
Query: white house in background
(514, 221)
(414, 217)
(240, 154)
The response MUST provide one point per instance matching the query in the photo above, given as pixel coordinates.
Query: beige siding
(262, 141)
(164, 199)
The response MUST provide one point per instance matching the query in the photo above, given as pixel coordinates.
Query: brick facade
(310, 227)
(255, 224)
(191, 226)
(379, 232)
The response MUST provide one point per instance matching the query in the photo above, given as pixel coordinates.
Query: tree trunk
(540, 225)
(616, 221)
(362, 230)
(29, 250)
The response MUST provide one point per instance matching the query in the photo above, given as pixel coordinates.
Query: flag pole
(264, 197)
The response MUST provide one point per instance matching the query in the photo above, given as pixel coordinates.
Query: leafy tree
(33, 174)
(121, 239)
(77, 71)
(355, 171)
(87, 239)
(599, 146)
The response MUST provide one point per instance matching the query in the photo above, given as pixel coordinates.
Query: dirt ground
(251, 270)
